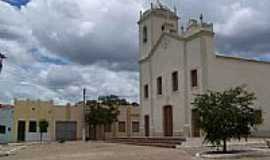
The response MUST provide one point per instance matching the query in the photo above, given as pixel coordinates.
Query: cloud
(242, 27)
(87, 32)
(57, 47)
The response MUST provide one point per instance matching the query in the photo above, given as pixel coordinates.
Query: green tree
(112, 100)
(100, 114)
(43, 127)
(226, 115)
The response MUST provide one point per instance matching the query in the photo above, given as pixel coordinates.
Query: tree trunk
(224, 145)
(95, 132)
(40, 137)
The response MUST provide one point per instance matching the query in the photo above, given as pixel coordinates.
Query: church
(176, 64)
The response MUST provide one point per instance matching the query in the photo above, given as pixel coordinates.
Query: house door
(195, 124)
(21, 131)
(146, 125)
(65, 130)
(168, 121)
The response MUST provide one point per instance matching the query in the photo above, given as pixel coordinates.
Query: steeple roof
(159, 9)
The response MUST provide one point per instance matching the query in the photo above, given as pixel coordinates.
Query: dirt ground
(95, 151)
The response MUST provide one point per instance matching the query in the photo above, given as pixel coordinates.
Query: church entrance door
(168, 121)
(146, 125)
(195, 124)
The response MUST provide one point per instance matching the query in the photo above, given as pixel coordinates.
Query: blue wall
(6, 119)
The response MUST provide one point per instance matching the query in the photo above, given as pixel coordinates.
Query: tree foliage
(112, 100)
(100, 114)
(43, 127)
(226, 115)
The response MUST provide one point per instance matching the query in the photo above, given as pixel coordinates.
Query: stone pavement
(96, 151)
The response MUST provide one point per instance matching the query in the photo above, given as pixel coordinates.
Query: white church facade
(176, 65)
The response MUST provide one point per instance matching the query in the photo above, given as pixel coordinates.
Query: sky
(55, 48)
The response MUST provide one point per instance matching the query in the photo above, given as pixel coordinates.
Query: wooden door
(65, 131)
(195, 124)
(168, 121)
(21, 131)
(146, 125)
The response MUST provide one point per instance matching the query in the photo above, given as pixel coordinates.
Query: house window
(145, 34)
(175, 81)
(159, 85)
(108, 128)
(194, 78)
(146, 92)
(135, 126)
(32, 126)
(122, 126)
(2, 129)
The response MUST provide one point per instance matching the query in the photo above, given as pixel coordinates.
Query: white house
(177, 64)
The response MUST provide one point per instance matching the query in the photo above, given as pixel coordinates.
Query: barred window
(32, 126)
(122, 126)
(135, 126)
(159, 85)
(145, 34)
(175, 81)
(194, 78)
(146, 91)
(2, 129)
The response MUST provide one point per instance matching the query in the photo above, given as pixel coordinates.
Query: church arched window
(145, 34)
(163, 28)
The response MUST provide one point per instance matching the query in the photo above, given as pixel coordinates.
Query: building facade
(65, 122)
(128, 125)
(6, 123)
(176, 65)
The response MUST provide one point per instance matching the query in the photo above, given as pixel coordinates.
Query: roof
(6, 106)
(176, 37)
(159, 10)
(242, 59)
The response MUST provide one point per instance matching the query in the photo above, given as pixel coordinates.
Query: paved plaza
(113, 151)
(95, 151)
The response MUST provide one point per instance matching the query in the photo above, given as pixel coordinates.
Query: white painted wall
(183, 53)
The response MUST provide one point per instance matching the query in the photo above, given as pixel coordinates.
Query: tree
(43, 127)
(99, 114)
(226, 115)
(112, 100)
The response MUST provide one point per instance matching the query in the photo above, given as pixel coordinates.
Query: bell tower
(153, 22)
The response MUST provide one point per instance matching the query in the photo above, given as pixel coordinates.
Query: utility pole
(83, 119)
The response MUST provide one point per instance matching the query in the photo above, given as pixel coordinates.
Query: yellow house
(65, 122)
(128, 125)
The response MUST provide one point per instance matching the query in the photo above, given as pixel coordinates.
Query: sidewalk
(255, 147)
(198, 142)
(10, 149)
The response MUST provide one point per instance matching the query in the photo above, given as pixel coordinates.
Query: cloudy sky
(57, 47)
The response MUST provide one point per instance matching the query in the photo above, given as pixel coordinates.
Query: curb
(3, 154)
(11, 152)
(246, 153)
